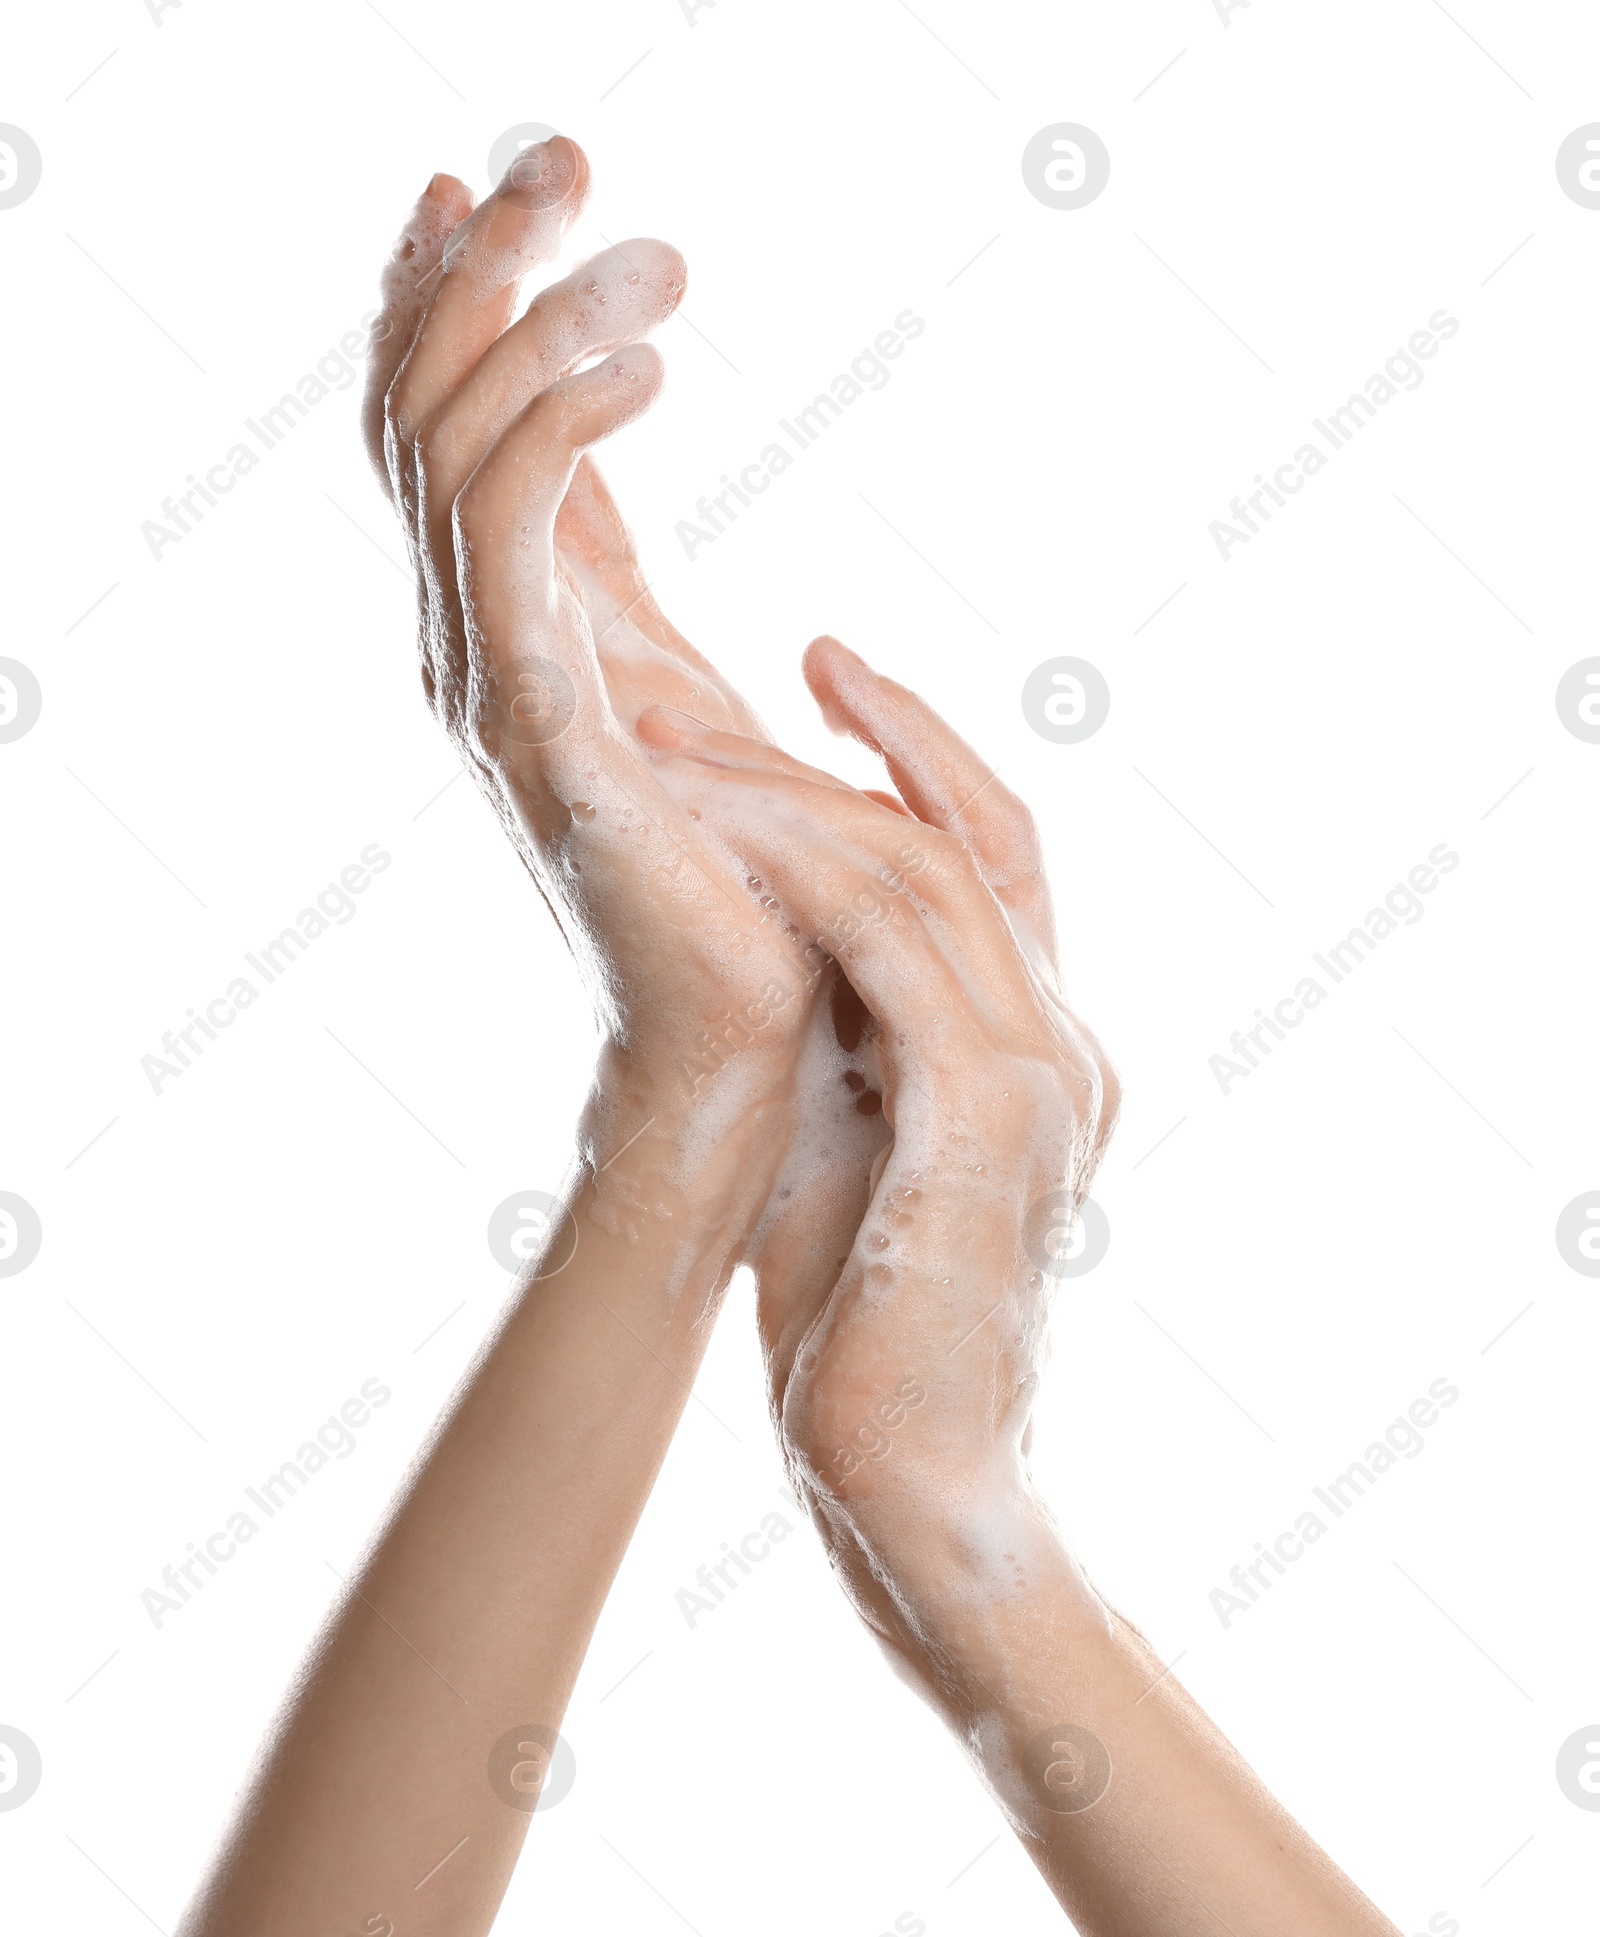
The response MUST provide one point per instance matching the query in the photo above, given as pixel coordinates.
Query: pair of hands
(834, 1047)
(764, 944)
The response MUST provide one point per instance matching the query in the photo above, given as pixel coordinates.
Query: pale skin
(835, 1048)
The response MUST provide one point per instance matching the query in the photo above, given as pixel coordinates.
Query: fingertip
(448, 192)
(655, 729)
(645, 256)
(814, 661)
(547, 175)
(626, 291)
(564, 147)
(831, 669)
(580, 167)
(601, 400)
(829, 665)
(439, 210)
(533, 463)
(668, 729)
(640, 364)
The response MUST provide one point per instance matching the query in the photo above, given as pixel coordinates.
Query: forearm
(466, 1623)
(1141, 1815)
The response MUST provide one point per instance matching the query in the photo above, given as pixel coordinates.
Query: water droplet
(582, 811)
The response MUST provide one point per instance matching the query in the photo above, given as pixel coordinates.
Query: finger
(617, 298)
(474, 296)
(675, 729)
(821, 1191)
(593, 538)
(505, 514)
(910, 921)
(592, 533)
(407, 281)
(611, 301)
(941, 779)
(529, 629)
(948, 784)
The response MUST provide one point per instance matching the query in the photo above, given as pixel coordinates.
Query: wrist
(990, 1597)
(686, 1168)
(685, 1099)
(682, 1072)
(964, 1558)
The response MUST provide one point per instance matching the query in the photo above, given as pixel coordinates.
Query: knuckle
(1014, 826)
(1003, 832)
(436, 469)
(398, 411)
(964, 869)
(469, 509)
(1110, 1096)
(469, 719)
(433, 440)
(1086, 1092)
(946, 850)
(807, 1433)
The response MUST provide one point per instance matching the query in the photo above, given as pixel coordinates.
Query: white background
(1294, 196)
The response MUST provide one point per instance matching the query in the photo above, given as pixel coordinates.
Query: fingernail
(543, 175)
(438, 189)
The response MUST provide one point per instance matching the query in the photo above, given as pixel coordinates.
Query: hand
(906, 1385)
(906, 1388)
(553, 671)
(539, 641)
(451, 381)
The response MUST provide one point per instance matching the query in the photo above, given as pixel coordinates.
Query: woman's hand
(906, 1387)
(539, 641)
(450, 1658)
(449, 1654)
(473, 422)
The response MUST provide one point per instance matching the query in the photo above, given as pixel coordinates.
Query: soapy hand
(904, 1385)
(539, 641)
(541, 644)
